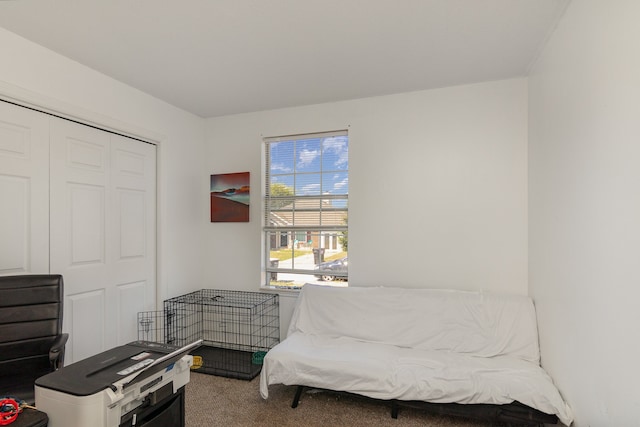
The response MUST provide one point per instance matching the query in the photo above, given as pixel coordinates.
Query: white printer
(138, 384)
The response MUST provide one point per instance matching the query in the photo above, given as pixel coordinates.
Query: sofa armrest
(56, 353)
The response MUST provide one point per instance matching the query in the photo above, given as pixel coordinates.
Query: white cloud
(341, 184)
(306, 157)
(279, 167)
(337, 145)
(344, 158)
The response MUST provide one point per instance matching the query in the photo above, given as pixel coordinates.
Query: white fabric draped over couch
(439, 346)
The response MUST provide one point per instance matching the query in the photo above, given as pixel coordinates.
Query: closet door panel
(80, 208)
(132, 299)
(84, 315)
(24, 191)
(133, 178)
(103, 223)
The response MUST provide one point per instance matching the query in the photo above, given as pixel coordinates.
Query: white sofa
(437, 346)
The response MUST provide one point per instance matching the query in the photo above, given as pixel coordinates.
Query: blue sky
(321, 164)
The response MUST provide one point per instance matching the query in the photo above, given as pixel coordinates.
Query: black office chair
(31, 338)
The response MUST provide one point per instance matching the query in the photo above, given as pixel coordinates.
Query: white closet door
(133, 193)
(24, 191)
(102, 233)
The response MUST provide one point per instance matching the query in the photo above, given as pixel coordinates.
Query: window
(306, 209)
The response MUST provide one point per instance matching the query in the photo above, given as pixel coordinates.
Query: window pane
(308, 184)
(308, 155)
(282, 158)
(335, 151)
(296, 258)
(309, 213)
(334, 218)
(335, 183)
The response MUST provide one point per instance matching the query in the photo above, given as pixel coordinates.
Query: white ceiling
(218, 57)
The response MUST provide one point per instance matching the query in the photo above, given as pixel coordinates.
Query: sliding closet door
(133, 248)
(102, 233)
(24, 191)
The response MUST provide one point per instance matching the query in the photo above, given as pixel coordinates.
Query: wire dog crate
(237, 329)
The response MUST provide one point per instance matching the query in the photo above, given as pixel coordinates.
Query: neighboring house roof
(309, 212)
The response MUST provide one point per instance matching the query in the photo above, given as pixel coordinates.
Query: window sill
(280, 291)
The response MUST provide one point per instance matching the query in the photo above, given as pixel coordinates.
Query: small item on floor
(14, 410)
(9, 410)
(197, 363)
(258, 357)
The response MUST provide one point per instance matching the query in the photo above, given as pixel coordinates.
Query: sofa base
(514, 413)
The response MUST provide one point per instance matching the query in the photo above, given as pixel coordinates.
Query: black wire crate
(178, 327)
(237, 329)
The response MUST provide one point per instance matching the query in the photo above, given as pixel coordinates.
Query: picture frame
(230, 197)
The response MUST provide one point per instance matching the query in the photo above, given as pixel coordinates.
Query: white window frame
(331, 204)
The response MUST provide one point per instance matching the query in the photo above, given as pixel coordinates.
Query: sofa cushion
(477, 323)
(383, 371)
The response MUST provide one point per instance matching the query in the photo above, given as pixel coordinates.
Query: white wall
(438, 191)
(584, 174)
(32, 72)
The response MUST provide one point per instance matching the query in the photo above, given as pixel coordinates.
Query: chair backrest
(30, 322)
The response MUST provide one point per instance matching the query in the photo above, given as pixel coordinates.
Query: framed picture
(230, 197)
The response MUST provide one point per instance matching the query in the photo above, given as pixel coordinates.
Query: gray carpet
(219, 401)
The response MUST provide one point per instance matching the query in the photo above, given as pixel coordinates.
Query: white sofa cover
(439, 346)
